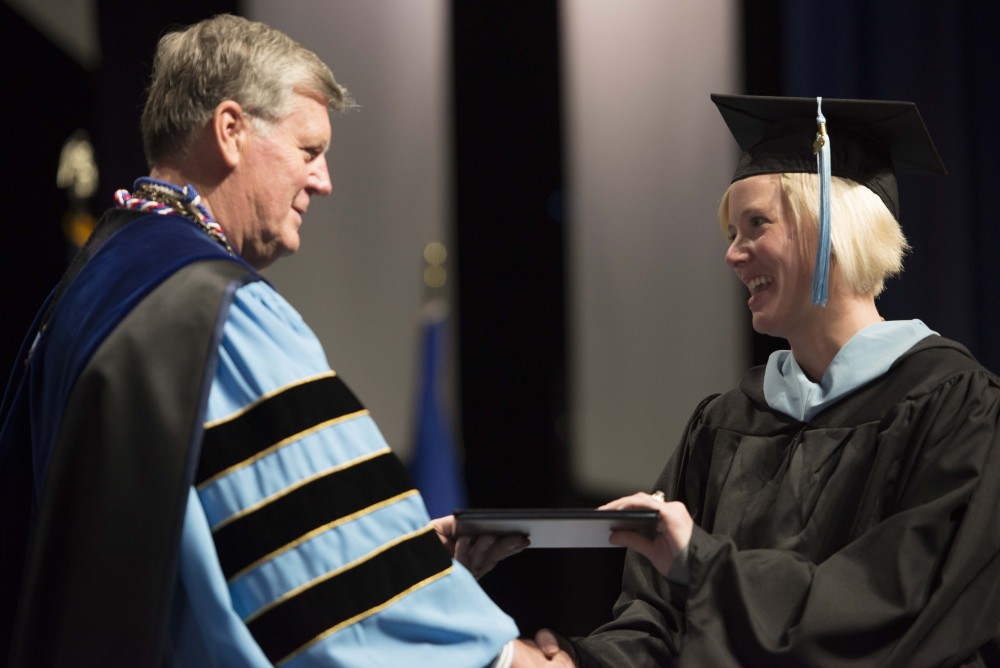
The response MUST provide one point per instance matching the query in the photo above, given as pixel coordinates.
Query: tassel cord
(821, 274)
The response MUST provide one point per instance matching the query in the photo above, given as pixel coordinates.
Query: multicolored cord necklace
(155, 196)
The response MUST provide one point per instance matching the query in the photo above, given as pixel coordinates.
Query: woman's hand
(673, 531)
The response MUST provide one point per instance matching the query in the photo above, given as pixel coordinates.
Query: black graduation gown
(110, 406)
(869, 536)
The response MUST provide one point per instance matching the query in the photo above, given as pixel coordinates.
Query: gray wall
(655, 311)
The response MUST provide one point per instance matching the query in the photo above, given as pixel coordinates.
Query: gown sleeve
(913, 583)
(305, 543)
(648, 618)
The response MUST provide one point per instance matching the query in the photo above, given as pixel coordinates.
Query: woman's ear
(231, 129)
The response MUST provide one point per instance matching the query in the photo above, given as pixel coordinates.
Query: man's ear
(231, 130)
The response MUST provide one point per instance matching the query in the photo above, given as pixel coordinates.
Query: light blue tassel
(821, 147)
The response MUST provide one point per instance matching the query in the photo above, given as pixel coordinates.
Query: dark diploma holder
(556, 527)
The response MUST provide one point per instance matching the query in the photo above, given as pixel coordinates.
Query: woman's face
(766, 253)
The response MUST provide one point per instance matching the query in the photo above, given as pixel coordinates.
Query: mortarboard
(867, 141)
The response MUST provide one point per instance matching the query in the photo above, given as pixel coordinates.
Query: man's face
(285, 165)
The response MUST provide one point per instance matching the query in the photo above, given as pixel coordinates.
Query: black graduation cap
(867, 141)
(871, 140)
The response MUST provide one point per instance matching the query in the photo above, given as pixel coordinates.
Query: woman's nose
(736, 253)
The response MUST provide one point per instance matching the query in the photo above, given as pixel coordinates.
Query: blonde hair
(227, 58)
(865, 238)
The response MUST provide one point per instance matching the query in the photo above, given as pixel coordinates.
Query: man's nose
(319, 179)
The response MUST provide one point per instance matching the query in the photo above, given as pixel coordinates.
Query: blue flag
(435, 465)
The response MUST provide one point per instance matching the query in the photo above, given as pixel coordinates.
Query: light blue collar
(865, 357)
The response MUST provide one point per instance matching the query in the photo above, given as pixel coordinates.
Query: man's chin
(290, 247)
(270, 252)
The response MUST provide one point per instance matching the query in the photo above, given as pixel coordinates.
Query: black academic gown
(869, 536)
(100, 430)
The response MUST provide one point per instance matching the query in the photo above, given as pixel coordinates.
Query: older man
(185, 480)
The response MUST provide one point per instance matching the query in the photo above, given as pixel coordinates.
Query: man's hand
(551, 645)
(528, 655)
(480, 554)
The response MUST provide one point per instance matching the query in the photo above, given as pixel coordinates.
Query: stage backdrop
(358, 278)
(655, 318)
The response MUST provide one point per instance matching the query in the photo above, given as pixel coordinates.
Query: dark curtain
(942, 56)
(510, 231)
(47, 98)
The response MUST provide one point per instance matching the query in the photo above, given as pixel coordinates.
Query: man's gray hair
(227, 58)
